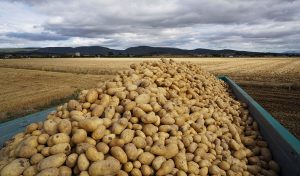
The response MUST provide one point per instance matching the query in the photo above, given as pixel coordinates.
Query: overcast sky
(253, 25)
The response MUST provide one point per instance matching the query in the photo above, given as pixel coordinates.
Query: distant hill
(139, 51)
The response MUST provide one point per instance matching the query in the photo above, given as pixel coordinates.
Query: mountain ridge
(137, 51)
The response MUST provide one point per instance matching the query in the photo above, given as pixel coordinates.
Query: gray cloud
(36, 36)
(270, 25)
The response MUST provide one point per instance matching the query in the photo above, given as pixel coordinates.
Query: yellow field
(29, 84)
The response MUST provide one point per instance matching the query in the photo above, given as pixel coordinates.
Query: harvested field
(28, 84)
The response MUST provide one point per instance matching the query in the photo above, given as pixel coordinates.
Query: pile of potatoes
(157, 118)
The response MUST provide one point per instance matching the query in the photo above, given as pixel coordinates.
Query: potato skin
(166, 167)
(29, 171)
(60, 138)
(26, 151)
(109, 166)
(92, 96)
(83, 163)
(60, 148)
(54, 161)
(71, 160)
(49, 172)
(65, 171)
(180, 161)
(65, 126)
(119, 154)
(79, 136)
(50, 127)
(15, 167)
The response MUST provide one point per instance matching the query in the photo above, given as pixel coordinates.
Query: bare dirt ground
(29, 84)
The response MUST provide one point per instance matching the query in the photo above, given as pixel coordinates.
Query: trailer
(284, 146)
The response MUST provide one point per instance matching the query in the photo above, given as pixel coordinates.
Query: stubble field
(27, 85)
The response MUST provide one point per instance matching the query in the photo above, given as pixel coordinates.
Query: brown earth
(27, 85)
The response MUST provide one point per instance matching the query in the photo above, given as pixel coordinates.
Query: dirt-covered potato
(15, 167)
(109, 166)
(53, 161)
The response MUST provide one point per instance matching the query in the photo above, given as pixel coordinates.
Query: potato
(52, 161)
(158, 149)
(60, 148)
(49, 172)
(150, 129)
(65, 126)
(29, 171)
(136, 172)
(234, 145)
(193, 167)
(131, 151)
(79, 136)
(74, 105)
(119, 126)
(71, 160)
(82, 147)
(109, 112)
(99, 132)
(180, 161)
(83, 163)
(146, 158)
(224, 165)
(98, 110)
(15, 167)
(50, 127)
(274, 166)
(214, 169)
(253, 169)
(102, 147)
(84, 173)
(31, 141)
(88, 125)
(36, 158)
(127, 167)
(127, 135)
(32, 127)
(149, 118)
(240, 154)
(45, 151)
(266, 154)
(146, 170)
(91, 96)
(109, 166)
(119, 154)
(60, 138)
(172, 150)
(65, 171)
(166, 167)
(142, 99)
(26, 151)
(203, 171)
(93, 155)
(139, 142)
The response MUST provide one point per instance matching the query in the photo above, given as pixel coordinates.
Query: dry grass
(25, 91)
(27, 84)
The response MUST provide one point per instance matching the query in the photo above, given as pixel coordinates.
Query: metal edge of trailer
(284, 146)
(10, 128)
